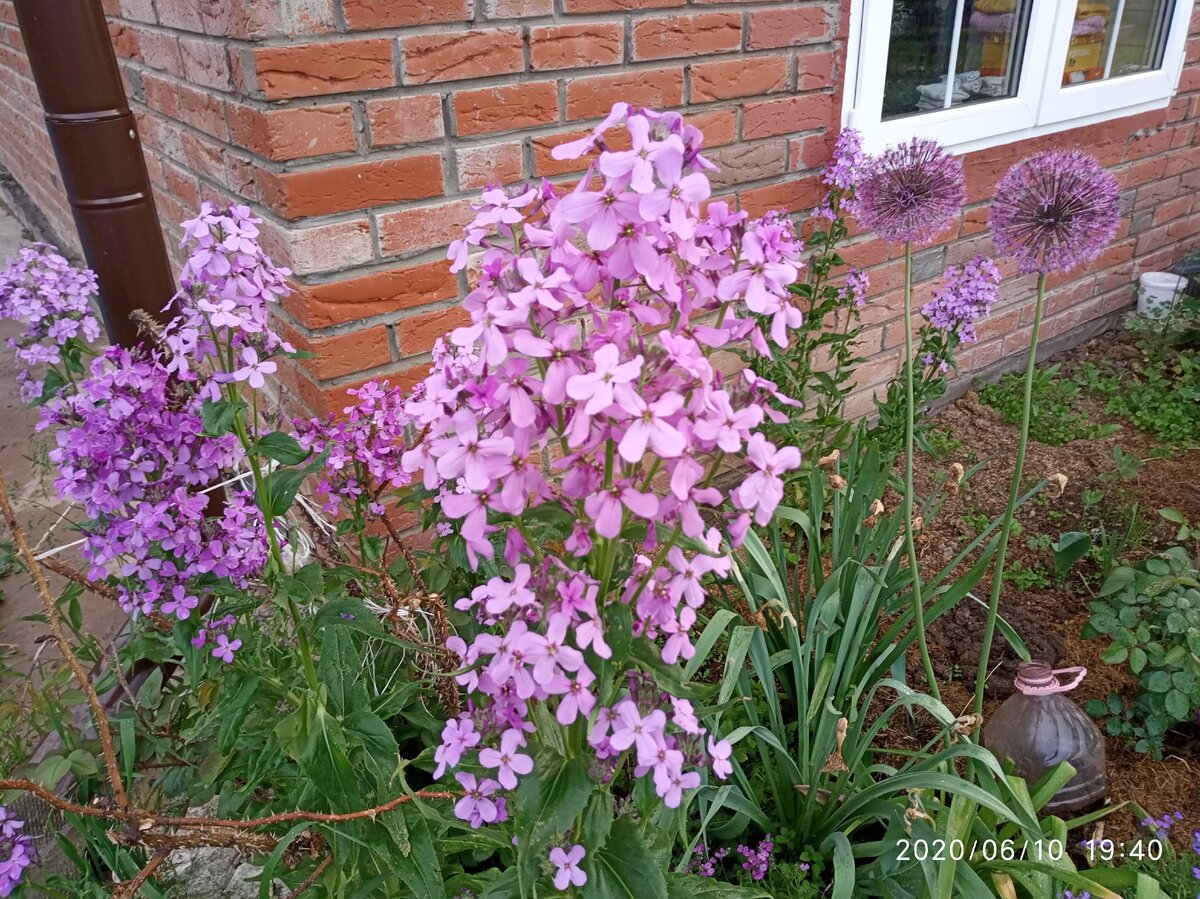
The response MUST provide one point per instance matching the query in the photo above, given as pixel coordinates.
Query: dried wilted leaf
(876, 511)
(918, 524)
(836, 763)
(837, 482)
(830, 460)
(964, 725)
(956, 477)
(1058, 484)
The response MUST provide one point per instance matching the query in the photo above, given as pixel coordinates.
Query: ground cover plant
(661, 643)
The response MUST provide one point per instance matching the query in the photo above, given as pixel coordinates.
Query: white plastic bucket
(1157, 292)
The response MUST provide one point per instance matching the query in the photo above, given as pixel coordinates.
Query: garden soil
(1050, 616)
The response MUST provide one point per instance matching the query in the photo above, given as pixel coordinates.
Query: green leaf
(281, 447)
(693, 886)
(1137, 660)
(1158, 681)
(1070, 548)
(340, 670)
(1115, 654)
(53, 383)
(549, 799)
(83, 763)
(1178, 705)
(326, 761)
(51, 770)
(377, 741)
(238, 693)
(625, 868)
(420, 870)
(218, 417)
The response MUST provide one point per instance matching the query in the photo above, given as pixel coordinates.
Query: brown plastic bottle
(1038, 727)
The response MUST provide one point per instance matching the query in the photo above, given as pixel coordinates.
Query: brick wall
(361, 129)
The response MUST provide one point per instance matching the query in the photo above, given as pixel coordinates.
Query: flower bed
(658, 646)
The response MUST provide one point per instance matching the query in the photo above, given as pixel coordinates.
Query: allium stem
(989, 629)
(909, 426)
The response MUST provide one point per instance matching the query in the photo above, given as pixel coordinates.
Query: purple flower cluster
(1055, 211)
(706, 864)
(16, 852)
(130, 442)
(965, 298)
(1068, 894)
(1162, 826)
(222, 314)
(557, 395)
(911, 192)
(365, 448)
(53, 299)
(758, 860)
(842, 175)
(130, 448)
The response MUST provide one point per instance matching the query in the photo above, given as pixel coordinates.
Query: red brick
(810, 152)
(593, 97)
(343, 354)
(366, 14)
(1172, 209)
(350, 299)
(789, 27)
(745, 76)
(181, 14)
(124, 40)
(420, 228)
(718, 125)
(489, 164)
(293, 133)
(341, 188)
(404, 120)
(698, 35)
(452, 55)
(743, 162)
(517, 9)
(796, 195)
(575, 6)
(202, 109)
(506, 108)
(576, 46)
(320, 248)
(159, 50)
(206, 63)
(306, 70)
(182, 184)
(815, 69)
(805, 112)
(418, 333)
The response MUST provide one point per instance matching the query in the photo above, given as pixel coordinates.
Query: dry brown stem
(101, 720)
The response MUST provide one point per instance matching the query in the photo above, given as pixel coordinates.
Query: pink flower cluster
(53, 299)
(365, 448)
(588, 381)
(222, 314)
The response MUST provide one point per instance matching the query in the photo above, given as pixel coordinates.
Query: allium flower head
(1055, 211)
(910, 192)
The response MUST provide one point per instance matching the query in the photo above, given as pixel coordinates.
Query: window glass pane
(1111, 38)
(972, 47)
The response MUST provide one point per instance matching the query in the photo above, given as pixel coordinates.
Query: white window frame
(1042, 105)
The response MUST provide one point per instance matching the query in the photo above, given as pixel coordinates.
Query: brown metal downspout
(95, 141)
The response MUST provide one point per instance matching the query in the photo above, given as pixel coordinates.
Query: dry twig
(102, 725)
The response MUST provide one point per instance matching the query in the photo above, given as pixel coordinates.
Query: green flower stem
(260, 495)
(918, 602)
(989, 630)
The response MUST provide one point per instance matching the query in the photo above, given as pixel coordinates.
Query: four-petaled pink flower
(253, 370)
(509, 762)
(477, 807)
(762, 491)
(720, 753)
(609, 378)
(567, 862)
(650, 425)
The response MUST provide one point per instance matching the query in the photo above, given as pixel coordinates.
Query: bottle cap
(1039, 679)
